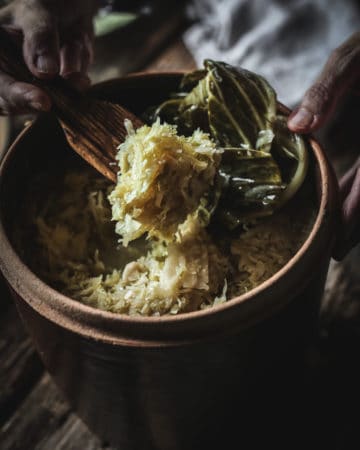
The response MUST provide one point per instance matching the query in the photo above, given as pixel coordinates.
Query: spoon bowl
(93, 128)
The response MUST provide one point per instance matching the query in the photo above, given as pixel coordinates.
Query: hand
(57, 39)
(340, 74)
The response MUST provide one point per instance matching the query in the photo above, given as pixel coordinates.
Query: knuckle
(6, 84)
(344, 61)
(341, 58)
(8, 107)
(4, 107)
(319, 97)
(42, 37)
(15, 96)
(33, 14)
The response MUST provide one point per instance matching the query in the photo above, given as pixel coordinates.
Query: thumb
(338, 74)
(41, 41)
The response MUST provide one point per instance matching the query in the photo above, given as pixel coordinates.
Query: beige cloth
(287, 41)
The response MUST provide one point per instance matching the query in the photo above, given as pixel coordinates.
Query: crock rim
(80, 318)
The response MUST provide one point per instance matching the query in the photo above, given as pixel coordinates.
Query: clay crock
(197, 380)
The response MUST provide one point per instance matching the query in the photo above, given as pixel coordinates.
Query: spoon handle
(93, 128)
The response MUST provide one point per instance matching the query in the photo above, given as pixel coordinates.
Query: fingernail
(301, 119)
(47, 64)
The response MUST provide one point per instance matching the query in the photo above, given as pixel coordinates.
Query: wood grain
(134, 48)
(175, 57)
(95, 129)
(20, 366)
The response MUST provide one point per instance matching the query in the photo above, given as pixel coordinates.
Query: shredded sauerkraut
(76, 252)
(167, 261)
(163, 178)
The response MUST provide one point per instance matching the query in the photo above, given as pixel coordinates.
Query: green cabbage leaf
(263, 164)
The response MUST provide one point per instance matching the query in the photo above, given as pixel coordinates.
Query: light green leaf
(107, 23)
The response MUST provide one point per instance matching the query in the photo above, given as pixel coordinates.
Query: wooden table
(35, 415)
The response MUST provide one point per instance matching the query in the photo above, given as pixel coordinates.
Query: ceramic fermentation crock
(192, 381)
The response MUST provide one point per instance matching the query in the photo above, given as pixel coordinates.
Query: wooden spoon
(93, 128)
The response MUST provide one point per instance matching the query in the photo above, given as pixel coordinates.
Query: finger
(17, 97)
(77, 51)
(41, 40)
(351, 208)
(70, 58)
(41, 52)
(351, 214)
(319, 102)
(347, 180)
(75, 59)
(88, 56)
(75, 56)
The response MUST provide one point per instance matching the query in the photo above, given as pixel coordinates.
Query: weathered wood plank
(44, 421)
(71, 435)
(132, 48)
(41, 413)
(341, 302)
(175, 57)
(20, 367)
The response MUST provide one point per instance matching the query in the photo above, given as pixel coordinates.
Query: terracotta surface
(170, 382)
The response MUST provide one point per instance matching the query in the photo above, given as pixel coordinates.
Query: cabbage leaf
(263, 164)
